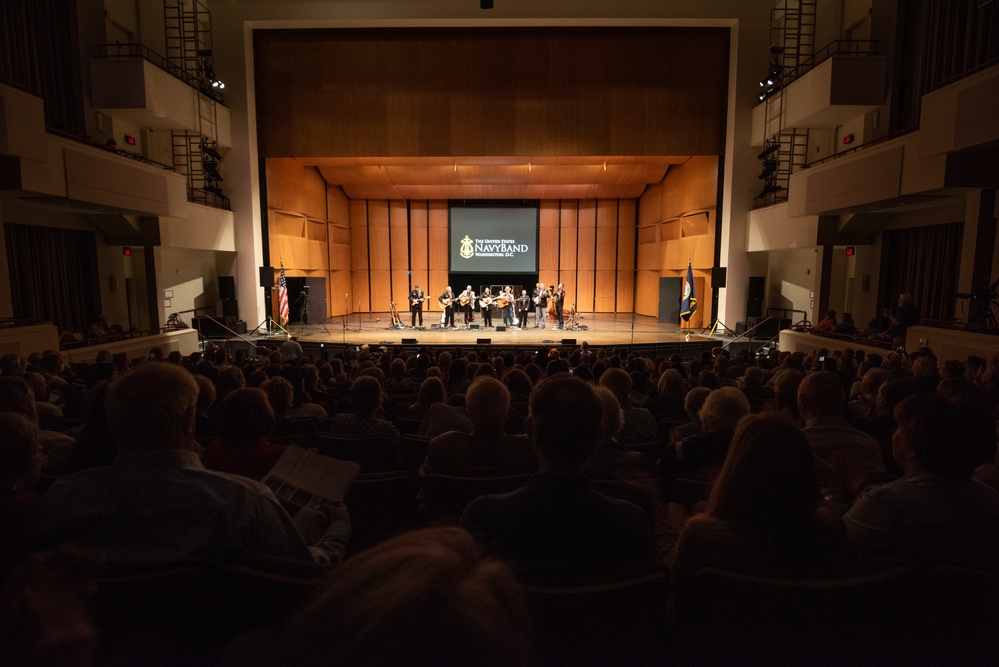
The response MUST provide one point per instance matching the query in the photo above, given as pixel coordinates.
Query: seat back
(767, 619)
(381, 505)
(373, 454)
(620, 620)
(413, 452)
(446, 496)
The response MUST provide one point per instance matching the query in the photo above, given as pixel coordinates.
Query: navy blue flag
(689, 305)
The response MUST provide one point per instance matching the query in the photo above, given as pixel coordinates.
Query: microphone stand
(359, 326)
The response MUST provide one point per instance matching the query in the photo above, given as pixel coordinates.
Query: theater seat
(446, 496)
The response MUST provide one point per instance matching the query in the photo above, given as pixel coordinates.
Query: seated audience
(444, 417)
(520, 386)
(427, 597)
(242, 422)
(487, 450)
(704, 454)
(639, 424)
(16, 396)
(667, 404)
(763, 512)
(847, 459)
(156, 503)
(280, 395)
(366, 401)
(936, 510)
(692, 404)
(431, 391)
(558, 524)
(847, 327)
(20, 467)
(611, 459)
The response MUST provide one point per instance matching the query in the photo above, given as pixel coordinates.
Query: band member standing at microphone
(486, 307)
(507, 307)
(540, 305)
(467, 301)
(559, 297)
(523, 307)
(447, 300)
(416, 297)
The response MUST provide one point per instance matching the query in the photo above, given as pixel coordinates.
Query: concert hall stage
(597, 329)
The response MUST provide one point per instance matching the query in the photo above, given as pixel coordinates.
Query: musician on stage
(447, 300)
(467, 302)
(507, 310)
(486, 307)
(559, 297)
(416, 298)
(540, 305)
(524, 304)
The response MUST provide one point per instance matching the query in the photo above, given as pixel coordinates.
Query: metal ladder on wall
(792, 42)
(188, 31)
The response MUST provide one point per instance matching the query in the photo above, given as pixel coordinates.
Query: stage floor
(597, 329)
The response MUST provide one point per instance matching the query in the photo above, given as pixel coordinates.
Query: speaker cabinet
(474, 326)
(230, 308)
(755, 288)
(754, 308)
(227, 288)
(483, 341)
(568, 341)
(718, 276)
(267, 276)
(409, 341)
(501, 328)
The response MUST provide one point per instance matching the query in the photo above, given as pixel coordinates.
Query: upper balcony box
(141, 94)
(835, 92)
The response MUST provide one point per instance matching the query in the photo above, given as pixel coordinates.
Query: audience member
(847, 459)
(639, 424)
(16, 396)
(427, 597)
(558, 524)
(487, 450)
(156, 503)
(20, 467)
(431, 391)
(444, 417)
(704, 454)
(936, 510)
(827, 323)
(366, 401)
(763, 512)
(242, 422)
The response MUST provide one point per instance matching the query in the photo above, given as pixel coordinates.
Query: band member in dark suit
(486, 307)
(447, 300)
(559, 297)
(416, 297)
(524, 304)
(540, 305)
(468, 307)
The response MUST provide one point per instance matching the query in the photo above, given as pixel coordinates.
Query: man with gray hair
(156, 503)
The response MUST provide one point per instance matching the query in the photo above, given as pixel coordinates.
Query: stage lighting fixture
(213, 189)
(770, 148)
(211, 169)
(769, 169)
(211, 152)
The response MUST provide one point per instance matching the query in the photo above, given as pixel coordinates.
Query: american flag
(283, 297)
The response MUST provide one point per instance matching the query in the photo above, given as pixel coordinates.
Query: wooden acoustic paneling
(568, 238)
(590, 90)
(399, 255)
(605, 292)
(419, 248)
(584, 290)
(548, 250)
(625, 291)
(291, 186)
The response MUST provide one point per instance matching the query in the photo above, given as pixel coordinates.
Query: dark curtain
(922, 261)
(39, 54)
(53, 275)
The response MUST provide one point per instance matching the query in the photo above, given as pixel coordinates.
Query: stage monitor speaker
(230, 307)
(501, 327)
(718, 276)
(240, 327)
(409, 341)
(267, 276)
(483, 341)
(227, 288)
(755, 287)
(568, 341)
(474, 326)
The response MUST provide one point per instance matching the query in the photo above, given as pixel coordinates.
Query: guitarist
(507, 310)
(467, 301)
(416, 298)
(447, 301)
(559, 296)
(540, 305)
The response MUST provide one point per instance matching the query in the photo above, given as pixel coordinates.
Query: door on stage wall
(670, 296)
